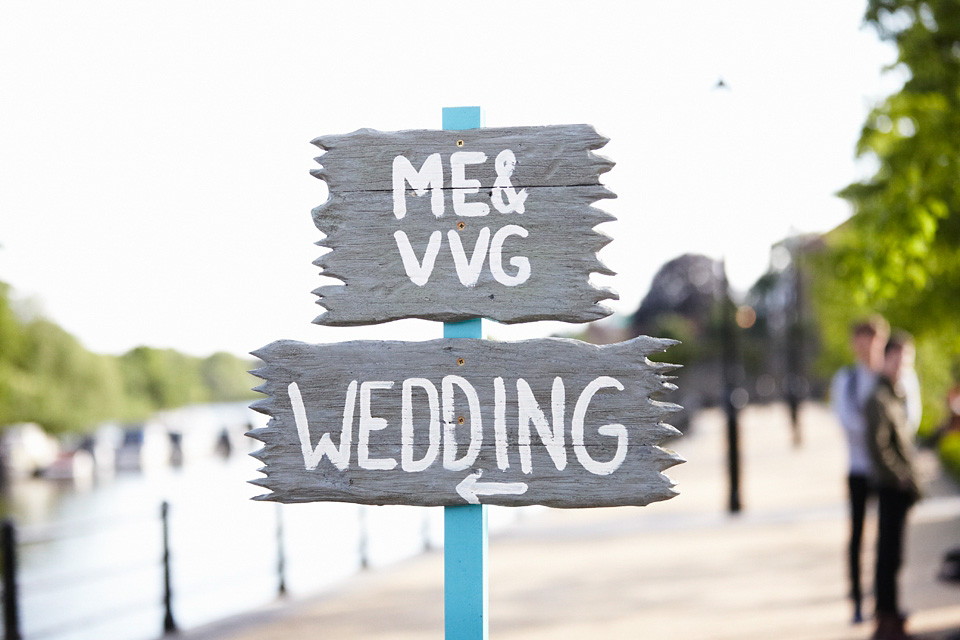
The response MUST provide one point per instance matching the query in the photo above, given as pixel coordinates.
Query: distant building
(784, 341)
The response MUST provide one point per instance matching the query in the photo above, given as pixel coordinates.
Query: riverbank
(681, 569)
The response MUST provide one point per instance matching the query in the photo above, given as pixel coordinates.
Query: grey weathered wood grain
(557, 167)
(322, 374)
(547, 156)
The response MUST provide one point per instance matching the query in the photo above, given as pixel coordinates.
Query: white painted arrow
(469, 488)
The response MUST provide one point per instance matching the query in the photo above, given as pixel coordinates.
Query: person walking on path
(890, 443)
(849, 391)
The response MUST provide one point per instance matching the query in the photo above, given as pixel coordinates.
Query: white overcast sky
(154, 157)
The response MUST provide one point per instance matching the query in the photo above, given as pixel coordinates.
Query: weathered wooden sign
(450, 225)
(553, 421)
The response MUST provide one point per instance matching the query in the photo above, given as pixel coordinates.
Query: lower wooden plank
(552, 421)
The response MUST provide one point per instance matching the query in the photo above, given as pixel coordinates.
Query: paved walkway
(682, 569)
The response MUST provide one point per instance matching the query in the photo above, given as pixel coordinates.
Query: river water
(90, 558)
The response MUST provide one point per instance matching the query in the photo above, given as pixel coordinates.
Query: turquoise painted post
(465, 593)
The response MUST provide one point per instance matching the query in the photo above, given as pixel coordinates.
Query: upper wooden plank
(448, 225)
(549, 156)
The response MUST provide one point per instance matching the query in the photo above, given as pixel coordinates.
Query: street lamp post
(729, 374)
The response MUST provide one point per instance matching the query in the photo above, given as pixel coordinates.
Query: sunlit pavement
(682, 569)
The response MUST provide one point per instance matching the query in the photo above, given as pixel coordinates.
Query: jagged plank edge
(268, 434)
(645, 346)
(670, 458)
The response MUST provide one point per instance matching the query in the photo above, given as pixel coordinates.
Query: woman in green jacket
(892, 453)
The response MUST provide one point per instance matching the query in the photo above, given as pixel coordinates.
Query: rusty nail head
(461, 225)
(459, 143)
(460, 362)
(460, 420)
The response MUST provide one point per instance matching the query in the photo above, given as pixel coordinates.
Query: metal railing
(13, 590)
(154, 570)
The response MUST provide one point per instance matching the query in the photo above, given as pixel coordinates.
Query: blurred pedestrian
(890, 442)
(849, 391)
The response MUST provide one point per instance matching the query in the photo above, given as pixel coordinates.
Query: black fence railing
(13, 590)
(134, 569)
(8, 556)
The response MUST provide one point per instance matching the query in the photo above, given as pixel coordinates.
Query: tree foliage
(899, 254)
(48, 377)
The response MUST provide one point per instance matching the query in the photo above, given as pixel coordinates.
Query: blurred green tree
(225, 377)
(162, 377)
(47, 376)
(899, 254)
